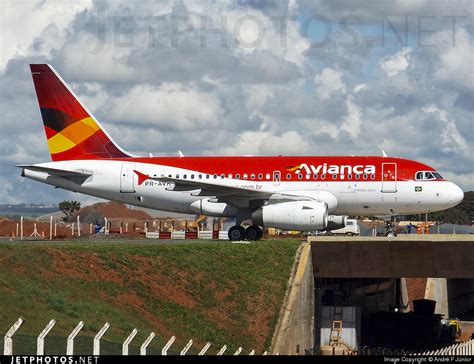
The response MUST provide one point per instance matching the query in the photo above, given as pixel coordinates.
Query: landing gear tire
(237, 232)
(254, 232)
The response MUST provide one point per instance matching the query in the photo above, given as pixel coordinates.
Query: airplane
(304, 193)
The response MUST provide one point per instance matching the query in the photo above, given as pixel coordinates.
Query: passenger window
(288, 176)
(207, 176)
(372, 176)
(200, 176)
(267, 176)
(246, 176)
(334, 176)
(364, 176)
(192, 176)
(237, 176)
(260, 176)
(222, 175)
(357, 176)
(184, 176)
(349, 176)
(323, 176)
(177, 176)
(252, 176)
(230, 175)
(300, 176)
(315, 176)
(215, 176)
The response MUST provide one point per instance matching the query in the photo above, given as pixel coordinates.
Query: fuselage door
(127, 177)
(276, 178)
(389, 177)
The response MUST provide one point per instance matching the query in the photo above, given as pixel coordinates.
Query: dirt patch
(86, 266)
(260, 318)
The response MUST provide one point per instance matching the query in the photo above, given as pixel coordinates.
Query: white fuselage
(116, 180)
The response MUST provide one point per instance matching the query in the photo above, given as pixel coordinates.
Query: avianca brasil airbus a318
(303, 193)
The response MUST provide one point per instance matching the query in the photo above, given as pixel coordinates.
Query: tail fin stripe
(71, 130)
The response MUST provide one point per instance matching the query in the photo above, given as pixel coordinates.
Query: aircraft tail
(71, 130)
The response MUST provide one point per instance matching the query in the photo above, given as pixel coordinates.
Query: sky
(320, 77)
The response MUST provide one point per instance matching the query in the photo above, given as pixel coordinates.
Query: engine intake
(294, 215)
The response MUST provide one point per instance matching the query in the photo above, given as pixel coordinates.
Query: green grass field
(219, 292)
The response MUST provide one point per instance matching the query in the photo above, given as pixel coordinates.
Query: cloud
(162, 76)
(396, 63)
(329, 82)
(456, 62)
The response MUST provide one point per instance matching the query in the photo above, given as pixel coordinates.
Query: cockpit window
(427, 175)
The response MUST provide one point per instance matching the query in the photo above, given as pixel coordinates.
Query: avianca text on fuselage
(290, 193)
(333, 169)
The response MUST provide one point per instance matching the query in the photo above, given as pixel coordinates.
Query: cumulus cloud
(328, 82)
(243, 78)
(396, 63)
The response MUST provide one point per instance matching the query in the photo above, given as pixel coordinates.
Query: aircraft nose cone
(456, 195)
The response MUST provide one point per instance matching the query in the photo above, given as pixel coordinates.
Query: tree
(69, 208)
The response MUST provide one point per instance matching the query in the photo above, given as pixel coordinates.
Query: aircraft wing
(240, 194)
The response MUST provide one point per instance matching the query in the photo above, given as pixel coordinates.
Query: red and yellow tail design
(72, 132)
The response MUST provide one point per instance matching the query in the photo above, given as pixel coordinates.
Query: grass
(219, 292)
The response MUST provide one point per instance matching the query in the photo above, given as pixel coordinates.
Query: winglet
(384, 154)
(141, 177)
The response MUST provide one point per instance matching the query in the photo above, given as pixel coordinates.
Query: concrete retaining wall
(382, 258)
(294, 332)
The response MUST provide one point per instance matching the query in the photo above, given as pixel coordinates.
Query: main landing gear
(253, 232)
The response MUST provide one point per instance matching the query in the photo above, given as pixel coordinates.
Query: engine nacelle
(336, 222)
(210, 208)
(294, 215)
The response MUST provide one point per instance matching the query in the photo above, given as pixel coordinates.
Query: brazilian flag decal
(418, 188)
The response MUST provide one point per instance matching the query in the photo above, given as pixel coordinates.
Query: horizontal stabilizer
(56, 171)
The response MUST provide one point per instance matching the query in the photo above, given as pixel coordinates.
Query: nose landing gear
(237, 232)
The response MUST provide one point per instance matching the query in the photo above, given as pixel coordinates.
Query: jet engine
(336, 222)
(294, 215)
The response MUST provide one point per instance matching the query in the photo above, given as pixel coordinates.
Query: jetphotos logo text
(332, 169)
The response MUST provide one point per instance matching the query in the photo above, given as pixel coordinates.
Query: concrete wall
(295, 327)
(366, 257)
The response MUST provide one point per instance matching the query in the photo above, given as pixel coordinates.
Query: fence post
(252, 352)
(98, 336)
(146, 343)
(55, 229)
(78, 226)
(51, 228)
(222, 351)
(186, 348)
(204, 349)
(127, 341)
(8, 342)
(72, 229)
(21, 228)
(164, 351)
(239, 350)
(40, 340)
(70, 338)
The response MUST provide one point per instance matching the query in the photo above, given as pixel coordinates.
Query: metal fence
(96, 345)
